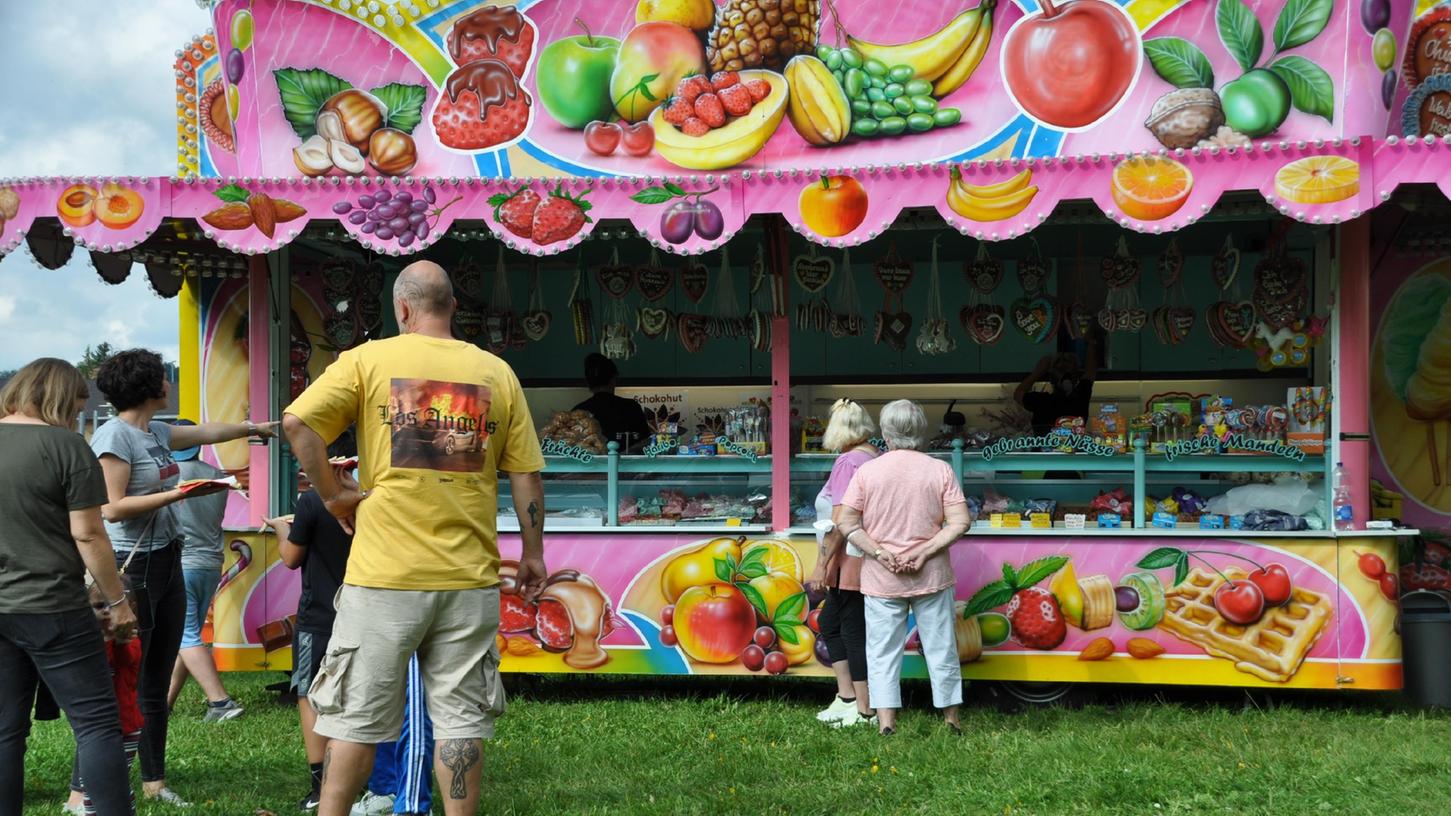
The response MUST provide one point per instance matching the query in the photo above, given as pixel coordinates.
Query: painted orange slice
(1151, 188)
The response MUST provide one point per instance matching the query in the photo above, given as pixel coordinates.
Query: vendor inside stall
(1070, 385)
(621, 419)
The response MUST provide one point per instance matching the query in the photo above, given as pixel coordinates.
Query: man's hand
(344, 506)
(264, 430)
(915, 558)
(530, 576)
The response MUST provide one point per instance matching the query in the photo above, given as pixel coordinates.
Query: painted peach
(75, 205)
(118, 207)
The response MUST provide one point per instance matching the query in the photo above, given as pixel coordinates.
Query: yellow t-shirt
(437, 420)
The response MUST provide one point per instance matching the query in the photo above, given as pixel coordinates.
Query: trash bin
(1426, 647)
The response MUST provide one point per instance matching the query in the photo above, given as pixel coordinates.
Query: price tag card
(1075, 521)
(1012, 520)
(1041, 521)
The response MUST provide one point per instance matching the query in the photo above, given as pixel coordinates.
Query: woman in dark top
(1070, 388)
(51, 492)
(141, 489)
(621, 420)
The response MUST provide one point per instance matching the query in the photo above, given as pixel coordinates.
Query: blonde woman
(51, 493)
(839, 567)
(904, 510)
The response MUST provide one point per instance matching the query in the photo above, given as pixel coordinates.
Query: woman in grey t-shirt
(141, 486)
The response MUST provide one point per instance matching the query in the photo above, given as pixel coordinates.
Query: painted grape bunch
(389, 215)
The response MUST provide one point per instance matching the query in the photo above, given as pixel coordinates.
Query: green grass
(580, 745)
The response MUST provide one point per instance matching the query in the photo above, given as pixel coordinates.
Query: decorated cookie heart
(893, 273)
(1120, 269)
(1180, 322)
(1280, 313)
(1129, 319)
(1077, 320)
(653, 323)
(616, 279)
(1225, 266)
(1106, 319)
(983, 323)
(1036, 318)
(337, 279)
(893, 328)
(653, 281)
(341, 329)
(469, 323)
(692, 329)
(693, 280)
(813, 272)
(1032, 275)
(1279, 277)
(983, 273)
(1232, 323)
(1159, 317)
(536, 324)
(469, 278)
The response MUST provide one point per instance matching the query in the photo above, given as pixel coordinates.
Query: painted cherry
(1240, 602)
(638, 139)
(1070, 64)
(667, 615)
(1372, 566)
(1274, 583)
(1389, 587)
(603, 137)
(667, 636)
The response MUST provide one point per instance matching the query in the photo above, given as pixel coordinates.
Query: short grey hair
(424, 286)
(904, 425)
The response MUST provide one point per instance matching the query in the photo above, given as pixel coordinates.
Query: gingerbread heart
(813, 272)
(983, 274)
(893, 328)
(1128, 319)
(1106, 319)
(1160, 318)
(370, 280)
(536, 324)
(653, 281)
(616, 279)
(1281, 313)
(1170, 265)
(341, 329)
(468, 323)
(1225, 265)
(1119, 270)
(1036, 318)
(1232, 324)
(1280, 277)
(692, 328)
(893, 273)
(693, 279)
(653, 322)
(1180, 322)
(1032, 275)
(1077, 320)
(469, 278)
(983, 323)
(370, 313)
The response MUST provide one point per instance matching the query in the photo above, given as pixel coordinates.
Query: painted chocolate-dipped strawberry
(493, 32)
(482, 106)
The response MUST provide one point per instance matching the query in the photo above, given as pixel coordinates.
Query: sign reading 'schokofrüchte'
(1233, 442)
(1078, 443)
(553, 447)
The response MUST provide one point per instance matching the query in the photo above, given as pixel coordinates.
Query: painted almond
(1143, 648)
(235, 216)
(264, 213)
(287, 210)
(522, 647)
(1098, 649)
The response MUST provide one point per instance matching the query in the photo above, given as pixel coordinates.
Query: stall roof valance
(1320, 183)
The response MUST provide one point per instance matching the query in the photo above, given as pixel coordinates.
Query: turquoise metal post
(957, 458)
(612, 482)
(1140, 481)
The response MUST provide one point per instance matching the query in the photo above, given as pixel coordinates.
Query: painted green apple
(1256, 103)
(574, 78)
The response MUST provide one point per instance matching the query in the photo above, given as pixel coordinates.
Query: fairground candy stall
(1225, 210)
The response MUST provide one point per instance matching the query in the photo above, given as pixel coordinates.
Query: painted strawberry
(1036, 619)
(737, 100)
(710, 110)
(559, 217)
(516, 615)
(677, 110)
(516, 210)
(759, 88)
(482, 106)
(692, 87)
(493, 32)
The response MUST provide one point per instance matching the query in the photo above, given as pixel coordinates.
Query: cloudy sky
(90, 90)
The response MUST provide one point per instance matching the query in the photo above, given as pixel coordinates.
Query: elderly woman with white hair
(904, 509)
(839, 567)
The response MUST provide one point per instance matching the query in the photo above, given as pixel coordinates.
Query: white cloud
(7, 308)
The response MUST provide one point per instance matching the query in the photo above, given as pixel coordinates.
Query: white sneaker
(836, 711)
(373, 805)
(170, 797)
(854, 717)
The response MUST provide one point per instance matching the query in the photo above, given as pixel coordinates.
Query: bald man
(437, 420)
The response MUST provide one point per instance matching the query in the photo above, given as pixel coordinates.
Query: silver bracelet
(117, 602)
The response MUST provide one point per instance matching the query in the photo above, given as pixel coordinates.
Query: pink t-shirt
(845, 570)
(901, 496)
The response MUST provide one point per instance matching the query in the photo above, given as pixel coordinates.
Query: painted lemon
(1318, 180)
(777, 557)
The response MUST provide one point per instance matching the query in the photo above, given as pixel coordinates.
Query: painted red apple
(1070, 64)
(713, 623)
(1274, 582)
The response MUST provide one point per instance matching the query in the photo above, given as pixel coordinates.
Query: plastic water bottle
(1343, 511)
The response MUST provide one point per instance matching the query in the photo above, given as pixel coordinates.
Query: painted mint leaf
(754, 596)
(1035, 571)
(793, 608)
(991, 596)
(722, 571)
(1312, 90)
(1240, 32)
(1179, 62)
(787, 633)
(1160, 558)
(303, 93)
(1181, 570)
(1301, 21)
(404, 103)
(233, 194)
(675, 189)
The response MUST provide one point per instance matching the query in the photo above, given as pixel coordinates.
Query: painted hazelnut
(392, 152)
(311, 157)
(360, 113)
(1184, 117)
